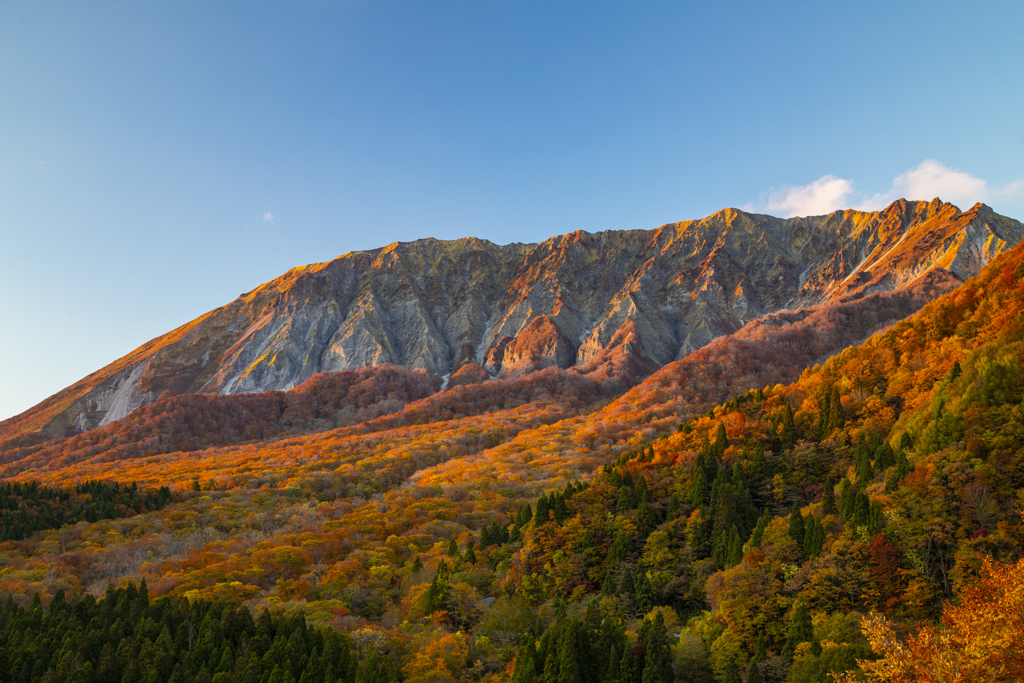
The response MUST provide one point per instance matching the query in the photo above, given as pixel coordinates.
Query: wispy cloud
(269, 218)
(928, 180)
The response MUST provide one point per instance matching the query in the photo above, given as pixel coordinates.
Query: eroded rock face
(641, 298)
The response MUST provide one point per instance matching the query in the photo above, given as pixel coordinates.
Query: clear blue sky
(144, 146)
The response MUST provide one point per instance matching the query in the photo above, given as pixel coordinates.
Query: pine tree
(828, 501)
(644, 597)
(453, 548)
(796, 525)
(755, 537)
(608, 587)
(836, 414)
(624, 503)
(526, 661)
(761, 649)
(559, 509)
(732, 672)
(627, 586)
(440, 589)
(698, 534)
(800, 630)
(657, 658)
(542, 515)
(699, 487)
(646, 519)
(787, 435)
(721, 440)
(673, 506)
(754, 673)
(417, 564)
(735, 553)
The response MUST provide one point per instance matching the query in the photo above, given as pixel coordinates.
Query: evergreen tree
(735, 553)
(754, 673)
(417, 564)
(762, 523)
(800, 630)
(608, 587)
(836, 414)
(543, 510)
(796, 525)
(761, 649)
(787, 433)
(698, 534)
(559, 510)
(657, 657)
(732, 672)
(627, 586)
(721, 440)
(646, 519)
(440, 589)
(699, 487)
(673, 506)
(526, 661)
(644, 597)
(828, 501)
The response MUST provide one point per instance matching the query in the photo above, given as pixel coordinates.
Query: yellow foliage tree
(979, 640)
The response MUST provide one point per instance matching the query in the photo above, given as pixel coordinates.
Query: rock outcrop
(638, 299)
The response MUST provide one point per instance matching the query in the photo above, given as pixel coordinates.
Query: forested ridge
(29, 507)
(865, 517)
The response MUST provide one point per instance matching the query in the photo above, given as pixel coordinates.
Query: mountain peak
(442, 304)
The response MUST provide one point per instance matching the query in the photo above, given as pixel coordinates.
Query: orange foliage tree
(979, 639)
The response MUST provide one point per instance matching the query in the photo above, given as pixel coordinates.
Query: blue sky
(157, 159)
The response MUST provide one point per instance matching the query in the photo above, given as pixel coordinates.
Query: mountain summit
(616, 302)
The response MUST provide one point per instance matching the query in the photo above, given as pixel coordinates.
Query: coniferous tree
(796, 525)
(543, 510)
(800, 630)
(735, 553)
(754, 673)
(758, 533)
(721, 440)
(828, 501)
(440, 589)
(646, 519)
(787, 432)
(836, 414)
(644, 597)
(732, 672)
(526, 661)
(657, 657)
(608, 587)
(761, 649)
(559, 510)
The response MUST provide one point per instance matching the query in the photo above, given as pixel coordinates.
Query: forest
(829, 494)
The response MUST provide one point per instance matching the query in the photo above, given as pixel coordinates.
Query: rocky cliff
(465, 307)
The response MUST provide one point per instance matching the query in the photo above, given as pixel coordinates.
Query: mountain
(612, 304)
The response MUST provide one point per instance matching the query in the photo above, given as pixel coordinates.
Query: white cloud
(824, 195)
(269, 218)
(929, 180)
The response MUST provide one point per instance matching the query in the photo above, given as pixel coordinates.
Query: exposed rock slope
(653, 295)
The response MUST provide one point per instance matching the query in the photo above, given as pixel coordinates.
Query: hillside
(756, 497)
(616, 305)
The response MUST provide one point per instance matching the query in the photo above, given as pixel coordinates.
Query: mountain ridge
(646, 297)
